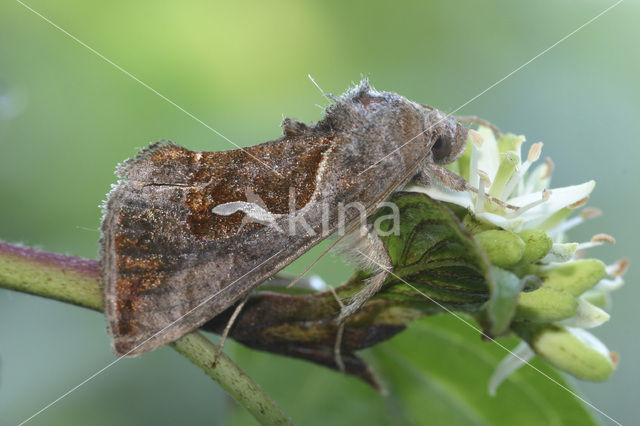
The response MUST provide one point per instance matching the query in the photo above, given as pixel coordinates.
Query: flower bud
(538, 245)
(575, 277)
(546, 304)
(575, 351)
(503, 248)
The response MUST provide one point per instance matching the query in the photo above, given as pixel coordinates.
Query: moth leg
(368, 253)
(337, 356)
(346, 311)
(446, 177)
(373, 286)
(372, 255)
(432, 171)
(227, 329)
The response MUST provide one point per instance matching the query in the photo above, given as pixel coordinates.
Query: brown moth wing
(169, 264)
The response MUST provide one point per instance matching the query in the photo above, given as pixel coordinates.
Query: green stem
(199, 350)
(76, 281)
(65, 278)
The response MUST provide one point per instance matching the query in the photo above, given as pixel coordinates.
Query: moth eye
(450, 145)
(438, 145)
(441, 149)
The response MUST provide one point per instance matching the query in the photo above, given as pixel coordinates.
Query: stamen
(476, 138)
(473, 166)
(585, 214)
(555, 221)
(590, 213)
(580, 203)
(538, 178)
(597, 240)
(550, 168)
(534, 152)
(615, 358)
(545, 196)
(619, 268)
(516, 179)
(565, 226)
(485, 178)
(591, 244)
(481, 195)
(605, 238)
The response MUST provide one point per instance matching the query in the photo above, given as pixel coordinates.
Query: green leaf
(438, 370)
(435, 254)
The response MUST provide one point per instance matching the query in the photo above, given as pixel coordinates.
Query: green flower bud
(504, 248)
(538, 245)
(575, 277)
(575, 351)
(546, 304)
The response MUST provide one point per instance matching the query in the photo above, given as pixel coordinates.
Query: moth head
(450, 141)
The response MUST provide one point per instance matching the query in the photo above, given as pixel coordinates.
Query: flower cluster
(522, 225)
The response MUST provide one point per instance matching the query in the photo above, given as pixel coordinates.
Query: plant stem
(65, 278)
(199, 350)
(76, 281)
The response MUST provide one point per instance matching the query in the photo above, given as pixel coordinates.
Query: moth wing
(168, 263)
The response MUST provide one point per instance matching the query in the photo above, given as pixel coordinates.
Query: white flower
(513, 195)
(496, 169)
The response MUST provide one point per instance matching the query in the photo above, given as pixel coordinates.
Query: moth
(187, 234)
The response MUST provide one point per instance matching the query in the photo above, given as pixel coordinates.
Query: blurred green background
(67, 118)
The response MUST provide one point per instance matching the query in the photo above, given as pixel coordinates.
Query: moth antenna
(494, 199)
(326, 95)
(481, 121)
(316, 84)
